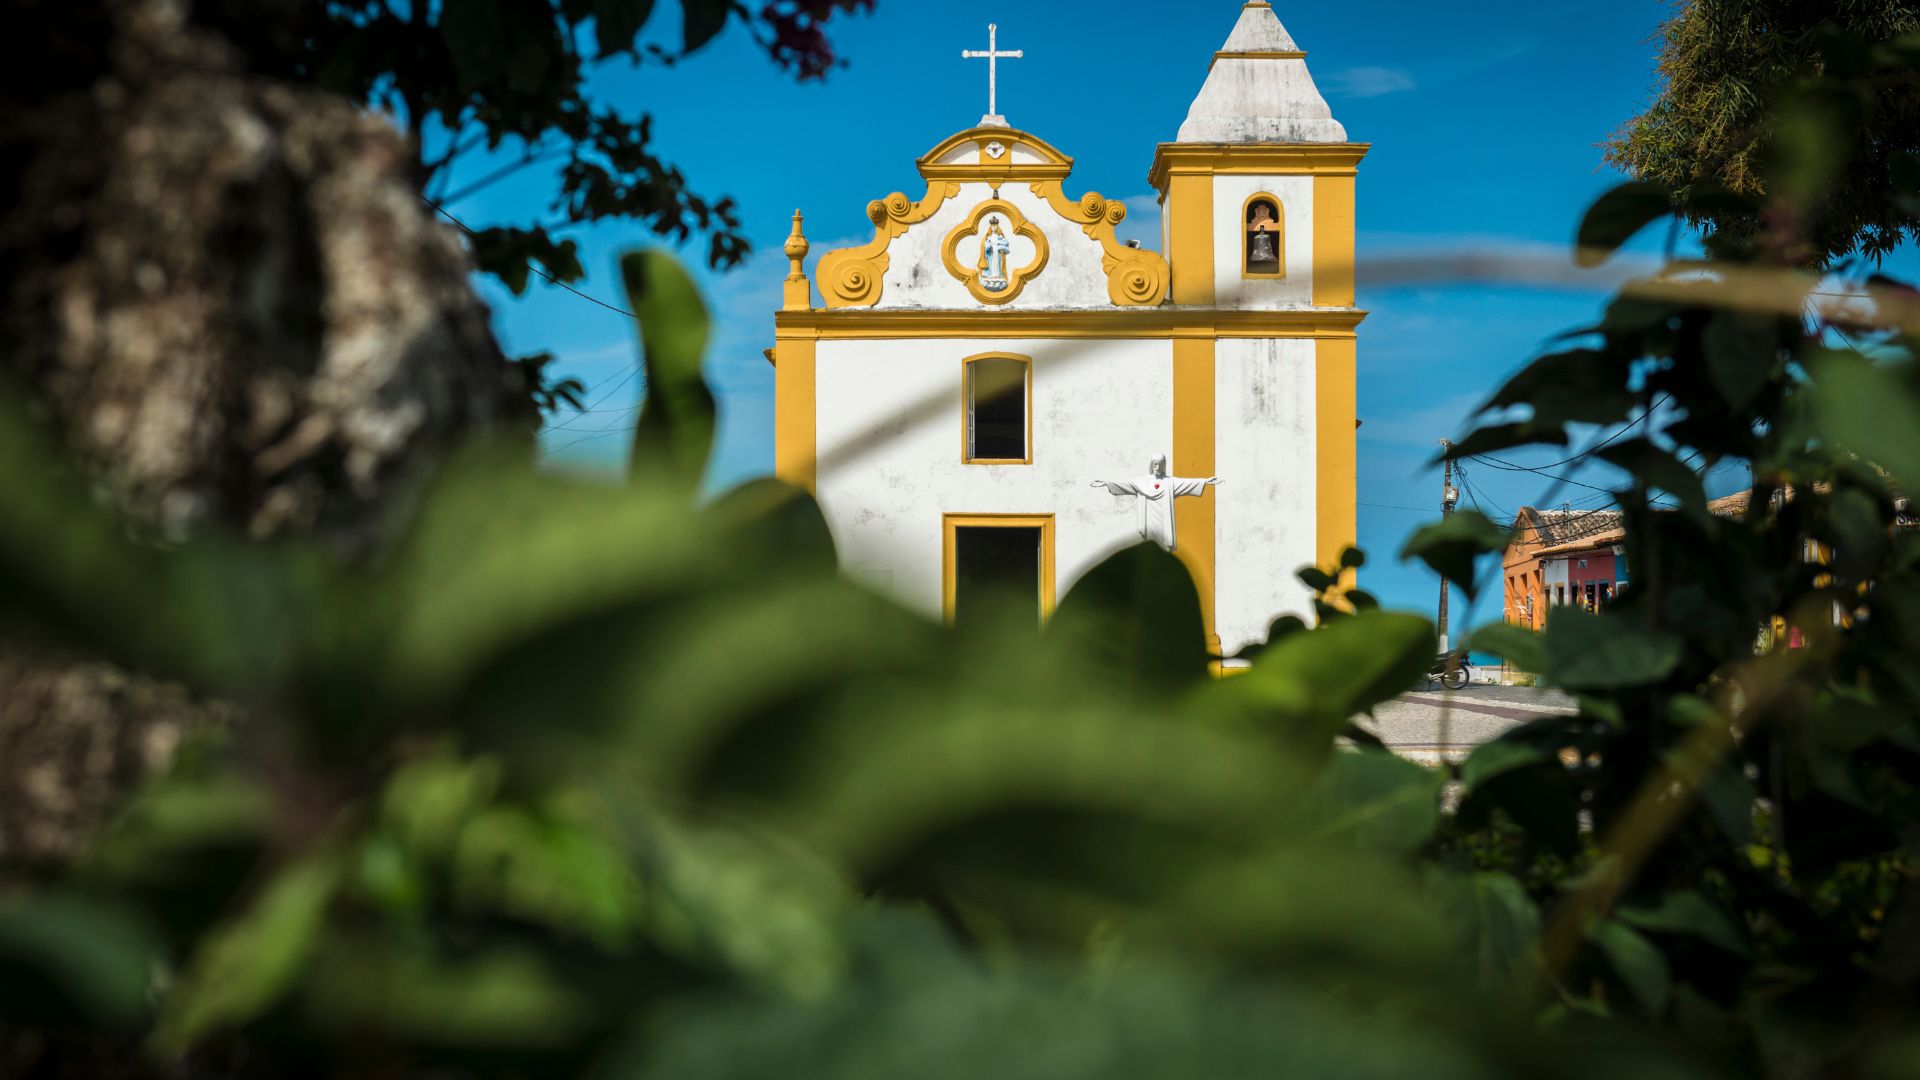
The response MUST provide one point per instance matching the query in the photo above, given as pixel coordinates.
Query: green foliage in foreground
(608, 782)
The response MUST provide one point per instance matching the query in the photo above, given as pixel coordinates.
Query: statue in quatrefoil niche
(993, 258)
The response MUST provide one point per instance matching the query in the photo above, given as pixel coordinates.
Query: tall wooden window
(1263, 250)
(998, 397)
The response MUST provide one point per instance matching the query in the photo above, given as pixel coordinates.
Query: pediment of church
(994, 229)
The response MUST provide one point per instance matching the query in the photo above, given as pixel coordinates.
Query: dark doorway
(996, 573)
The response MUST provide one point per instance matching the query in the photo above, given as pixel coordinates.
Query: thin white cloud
(1366, 82)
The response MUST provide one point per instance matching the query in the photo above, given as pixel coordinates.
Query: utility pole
(1448, 496)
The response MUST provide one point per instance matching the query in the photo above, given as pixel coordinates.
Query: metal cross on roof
(992, 56)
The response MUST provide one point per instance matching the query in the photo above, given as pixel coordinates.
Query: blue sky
(1486, 122)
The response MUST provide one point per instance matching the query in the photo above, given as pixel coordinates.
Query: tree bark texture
(227, 298)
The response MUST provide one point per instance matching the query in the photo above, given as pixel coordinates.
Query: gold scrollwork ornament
(853, 277)
(1135, 278)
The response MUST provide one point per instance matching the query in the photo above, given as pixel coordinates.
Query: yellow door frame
(950, 532)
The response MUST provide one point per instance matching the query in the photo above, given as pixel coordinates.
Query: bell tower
(1257, 197)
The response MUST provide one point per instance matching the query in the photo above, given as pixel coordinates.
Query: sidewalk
(1431, 726)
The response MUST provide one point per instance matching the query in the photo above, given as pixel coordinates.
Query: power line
(1390, 506)
(1508, 466)
(594, 406)
(549, 278)
(550, 451)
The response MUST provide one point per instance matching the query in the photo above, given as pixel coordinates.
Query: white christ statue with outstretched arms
(1156, 492)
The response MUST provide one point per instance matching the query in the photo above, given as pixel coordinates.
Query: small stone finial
(799, 292)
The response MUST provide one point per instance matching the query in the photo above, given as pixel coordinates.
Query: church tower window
(998, 396)
(1264, 251)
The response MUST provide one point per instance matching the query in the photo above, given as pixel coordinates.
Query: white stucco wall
(889, 432)
(917, 277)
(1555, 572)
(1264, 509)
(1231, 290)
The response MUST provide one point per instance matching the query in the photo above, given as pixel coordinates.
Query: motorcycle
(1450, 670)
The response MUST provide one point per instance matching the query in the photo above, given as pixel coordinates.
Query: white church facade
(988, 381)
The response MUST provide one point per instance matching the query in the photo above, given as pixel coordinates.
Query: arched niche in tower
(1263, 244)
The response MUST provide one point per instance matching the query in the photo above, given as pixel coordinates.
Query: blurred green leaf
(1588, 651)
(617, 22)
(246, 965)
(1374, 800)
(1503, 928)
(675, 430)
(1659, 468)
(1137, 616)
(1686, 912)
(1527, 781)
(764, 907)
(1525, 649)
(1497, 758)
(1575, 386)
(1742, 351)
(1315, 578)
(216, 614)
(1616, 216)
(67, 959)
(1871, 408)
(1489, 438)
(948, 1017)
(403, 988)
(703, 19)
(1312, 683)
(1452, 546)
(1636, 961)
(542, 867)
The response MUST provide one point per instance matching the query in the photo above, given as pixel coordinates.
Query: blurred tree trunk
(227, 298)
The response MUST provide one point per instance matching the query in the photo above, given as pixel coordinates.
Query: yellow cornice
(996, 174)
(1274, 54)
(1139, 322)
(1277, 159)
(1055, 163)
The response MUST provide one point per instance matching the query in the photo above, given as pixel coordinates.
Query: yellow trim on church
(1273, 55)
(1336, 450)
(1173, 160)
(1156, 322)
(1333, 229)
(795, 442)
(1194, 442)
(988, 169)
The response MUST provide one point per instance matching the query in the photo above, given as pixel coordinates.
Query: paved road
(1430, 725)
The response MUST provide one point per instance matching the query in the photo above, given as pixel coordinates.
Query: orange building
(1561, 557)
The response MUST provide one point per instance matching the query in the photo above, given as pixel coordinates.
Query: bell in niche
(1263, 254)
